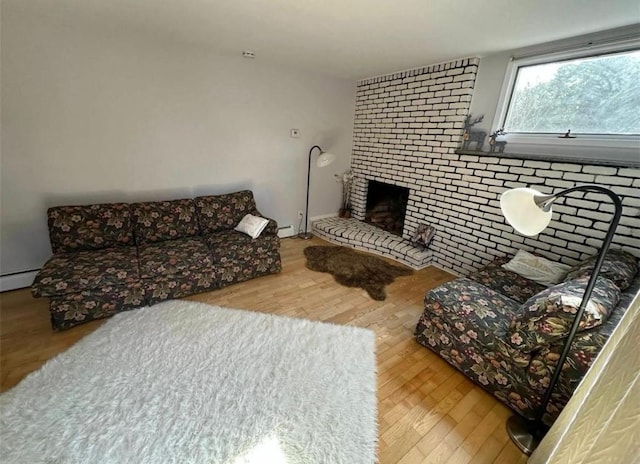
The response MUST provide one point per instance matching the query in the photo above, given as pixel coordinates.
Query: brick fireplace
(407, 129)
(402, 122)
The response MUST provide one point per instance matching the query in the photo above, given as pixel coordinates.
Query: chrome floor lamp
(324, 160)
(529, 212)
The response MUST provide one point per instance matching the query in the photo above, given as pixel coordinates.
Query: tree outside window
(592, 95)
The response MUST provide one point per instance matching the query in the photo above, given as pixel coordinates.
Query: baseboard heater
(286, 231)
(17, 280)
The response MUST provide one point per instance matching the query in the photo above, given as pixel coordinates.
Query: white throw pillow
(252, 225)
(537, 268)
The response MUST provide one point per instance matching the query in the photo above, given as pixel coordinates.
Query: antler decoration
(468, 122)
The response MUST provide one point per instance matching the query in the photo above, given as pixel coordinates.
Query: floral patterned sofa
(506, 333)
(113, 257)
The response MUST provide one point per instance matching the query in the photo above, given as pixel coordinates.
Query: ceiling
(351, 39)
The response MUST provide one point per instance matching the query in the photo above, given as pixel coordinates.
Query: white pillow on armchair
(537, 268)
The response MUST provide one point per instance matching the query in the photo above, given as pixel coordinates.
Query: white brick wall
(407, 128)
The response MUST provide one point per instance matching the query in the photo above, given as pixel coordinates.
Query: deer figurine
(496, 144)
(473, 136)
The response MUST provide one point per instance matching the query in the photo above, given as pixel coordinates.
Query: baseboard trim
(17, 280)
(450, 271)
(322, 216)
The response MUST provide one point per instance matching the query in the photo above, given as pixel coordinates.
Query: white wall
(487, 89)
(93, 113)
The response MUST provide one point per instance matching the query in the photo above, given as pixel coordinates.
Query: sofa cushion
(168, 287)
(546, 318)
(232, 245)
(468, 305)
(233, 271)
(157, 221)
(71, 309)
(87, 270)
(618, 266)
(89, 227)
(173, 257)
(506, 282)
(224, 212)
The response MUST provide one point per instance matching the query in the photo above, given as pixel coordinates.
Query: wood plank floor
(428, 412)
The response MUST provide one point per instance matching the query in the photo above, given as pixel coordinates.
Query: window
(594, 93)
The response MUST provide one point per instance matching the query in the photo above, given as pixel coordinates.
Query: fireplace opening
(386, 206)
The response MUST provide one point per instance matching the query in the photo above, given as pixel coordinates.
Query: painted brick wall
(407, 128)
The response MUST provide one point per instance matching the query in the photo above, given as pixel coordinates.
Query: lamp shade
(521, 211)
(325, 159)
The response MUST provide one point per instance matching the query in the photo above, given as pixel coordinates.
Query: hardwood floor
(428, 412)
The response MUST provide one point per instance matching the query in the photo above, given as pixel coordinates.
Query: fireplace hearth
(386, 206)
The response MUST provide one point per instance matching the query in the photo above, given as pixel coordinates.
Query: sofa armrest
(584, 349)
(271, 228)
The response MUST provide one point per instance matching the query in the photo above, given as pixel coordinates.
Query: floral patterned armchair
(505, 332)
(114, 257)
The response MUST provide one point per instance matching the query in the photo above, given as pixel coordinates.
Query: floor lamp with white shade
(324, 160)
(529, 212)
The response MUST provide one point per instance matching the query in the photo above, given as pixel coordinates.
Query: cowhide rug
(353, 269)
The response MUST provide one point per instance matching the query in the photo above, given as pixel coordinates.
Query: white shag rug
(185, 382)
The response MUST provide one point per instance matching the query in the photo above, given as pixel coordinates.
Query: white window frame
(584, 146)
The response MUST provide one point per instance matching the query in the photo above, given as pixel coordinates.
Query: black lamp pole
(527, 433)
(306, 235)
